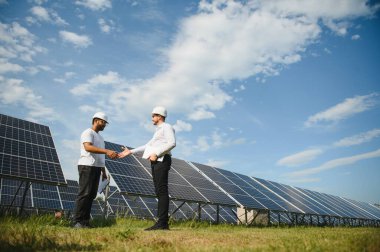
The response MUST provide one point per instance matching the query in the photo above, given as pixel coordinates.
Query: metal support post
(217, 214)
(24, 195)
(199, 212)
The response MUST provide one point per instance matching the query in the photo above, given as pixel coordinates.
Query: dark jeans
(160, 172)
(88, 186)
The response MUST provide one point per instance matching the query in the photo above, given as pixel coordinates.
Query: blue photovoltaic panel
(27, 152)
(294, 197)
(268, 198)
(227, 185)
(373, 210)
(179, 188)
(143, 207)
(244, 182)
(204, 186)
(69, 194)
(132, 175)
(180, 214)
(8, 191)
(96, 210)
(45, 196)
(128, 174)
(352, 209)
(319, 198)
(117, 202)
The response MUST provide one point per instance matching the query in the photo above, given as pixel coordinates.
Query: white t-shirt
(88, 158)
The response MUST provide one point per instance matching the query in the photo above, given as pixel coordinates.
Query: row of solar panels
(27, 152)
(201, 183)
(47, 197)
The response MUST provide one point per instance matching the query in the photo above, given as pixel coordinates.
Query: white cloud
(66, 77)
(201, 114)
(303, 180)
(106, 26)
(343, 110)
(241, 88)
(217, 163)
(77, 40)
(41, 13)
(17, 42)
(6, 67)
(217, 140)
(182, 126)
(300, 158)
(95, 5)
(111, 78)
(355, 37)
(228, 40)
(358, 139)
(25, 96)
(36, 69)
(45, 15)
(336, 163)
(202, 144)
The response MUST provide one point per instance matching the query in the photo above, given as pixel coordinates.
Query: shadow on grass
(100, 222)
(47, 245)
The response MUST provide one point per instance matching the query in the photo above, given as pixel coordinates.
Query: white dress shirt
(162, 143)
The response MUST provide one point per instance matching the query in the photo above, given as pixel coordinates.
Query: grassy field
(40, 233)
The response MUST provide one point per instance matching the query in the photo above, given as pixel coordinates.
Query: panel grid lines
(27, 151)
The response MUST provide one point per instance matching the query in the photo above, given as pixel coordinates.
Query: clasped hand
(112, 154)
(124, 153)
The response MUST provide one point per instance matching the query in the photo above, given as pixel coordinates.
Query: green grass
(44, 233)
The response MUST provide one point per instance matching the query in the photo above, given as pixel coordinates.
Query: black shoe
(157, 227)
(79, 225)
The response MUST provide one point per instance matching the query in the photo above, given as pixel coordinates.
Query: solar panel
(132, 176)
(9, 188)
(45, 196)
(352, 209)
(267, 197)
(212, 193)
(292, 196)
(68, 195)
(220, 177)
(117, 203)
(342, 212)
(27, 152)
(371, 209)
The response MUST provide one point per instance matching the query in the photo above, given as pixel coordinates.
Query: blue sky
(282, 90)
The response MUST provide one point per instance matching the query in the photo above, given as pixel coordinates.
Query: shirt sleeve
(169, 135)
(87, 137)
(138, 149)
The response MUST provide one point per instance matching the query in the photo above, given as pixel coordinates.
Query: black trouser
(160, 172)
(88, 186)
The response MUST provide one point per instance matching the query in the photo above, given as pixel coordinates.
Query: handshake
(113, 154)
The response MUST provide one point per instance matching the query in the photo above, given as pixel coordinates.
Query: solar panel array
(197, 191)
(132, 175)
(201, 184)
(27, 152)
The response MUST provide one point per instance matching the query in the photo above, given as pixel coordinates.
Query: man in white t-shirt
(90, 165)
(157, 150)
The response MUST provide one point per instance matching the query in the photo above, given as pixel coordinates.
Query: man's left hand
(153, 158)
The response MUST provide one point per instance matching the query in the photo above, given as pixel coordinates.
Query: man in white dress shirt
(157, 150)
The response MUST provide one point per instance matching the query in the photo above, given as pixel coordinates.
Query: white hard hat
(159, 110)
(101, 115)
